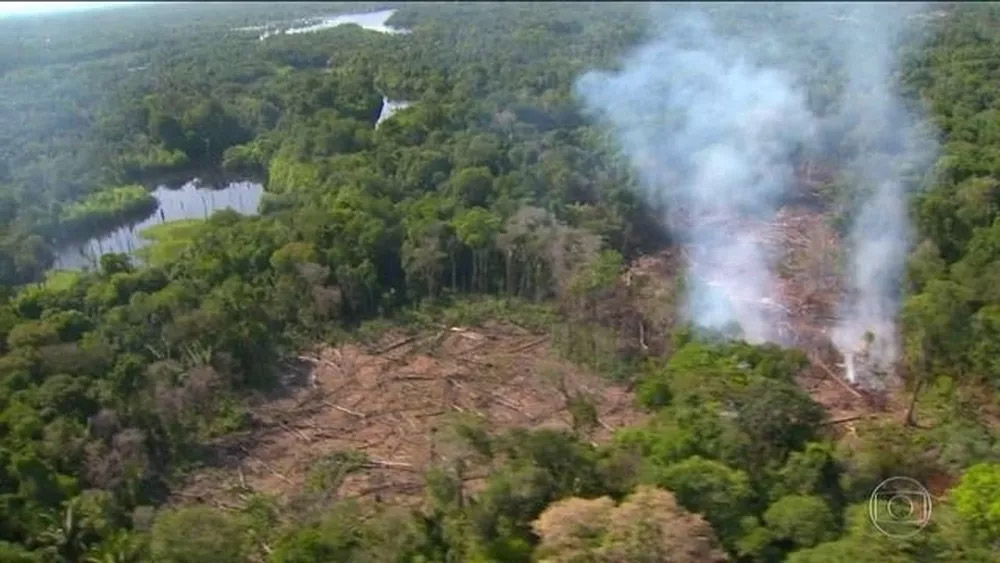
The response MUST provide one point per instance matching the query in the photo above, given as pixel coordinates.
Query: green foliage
(942, 540)
(802, 520)
(102, 209)
(948, 317)
(722, 494)
(196, 535)
(977, 499)
(169, 240)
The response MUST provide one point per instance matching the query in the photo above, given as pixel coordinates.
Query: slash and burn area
(367, 421)
(739, 175)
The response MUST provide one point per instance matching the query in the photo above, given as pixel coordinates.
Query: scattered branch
(375, 463)
(397, 344)
(843, 419)
(840, 381)
(530, 344)
(344, 409)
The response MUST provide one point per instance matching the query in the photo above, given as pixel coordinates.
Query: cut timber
(842, 383)
(527, 345)
(344, 409)
(500, 399)
(319, 361)
(392, 408)
(397, 344)
(388, 464)
(265, 465)
(296, 431)
(843, 419)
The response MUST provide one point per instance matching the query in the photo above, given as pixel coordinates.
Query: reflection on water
(190, 201)
(374, 21)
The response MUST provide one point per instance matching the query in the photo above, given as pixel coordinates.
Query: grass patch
(464, 310)
(593, 346)
(477, 310)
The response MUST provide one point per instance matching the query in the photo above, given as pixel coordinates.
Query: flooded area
(374, 21)
(191, 201)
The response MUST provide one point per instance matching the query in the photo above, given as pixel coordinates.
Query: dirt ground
(389, 401)
(806, 249)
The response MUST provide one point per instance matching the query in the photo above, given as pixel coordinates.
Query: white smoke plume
(713, 125)
(711, 133)
(887, 142)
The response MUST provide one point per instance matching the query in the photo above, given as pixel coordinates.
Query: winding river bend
(195, 201)
(374, 21)
(191, 201)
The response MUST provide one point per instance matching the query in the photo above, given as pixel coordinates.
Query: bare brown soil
(389, 401)
(804, 309)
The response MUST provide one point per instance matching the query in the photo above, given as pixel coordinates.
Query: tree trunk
(508, 256)
(454, 284)
(910, 420)
(475, 271)
(481, 269)
(922, 375)
(925, 366)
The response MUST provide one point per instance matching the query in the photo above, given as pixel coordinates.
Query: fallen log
(843, 419)
(296, 431)
(415, 378)
(373, 463)
(344, 409)
(836, 378)
(320, 361)
(265, 465)
(397, 344)
(500, 399)
(530, 344)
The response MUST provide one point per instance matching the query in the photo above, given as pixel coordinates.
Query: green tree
(977, 499)
(804, 521)
(472, 186)
(723, 495)
(477, 229)
(198, 534)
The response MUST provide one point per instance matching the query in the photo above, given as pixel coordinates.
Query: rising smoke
(714, 124)
(888, 145)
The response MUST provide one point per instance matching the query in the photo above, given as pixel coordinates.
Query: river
(390, 107)
(374, 21)
(191, 201)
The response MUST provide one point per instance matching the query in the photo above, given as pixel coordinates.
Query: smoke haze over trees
(716, 125)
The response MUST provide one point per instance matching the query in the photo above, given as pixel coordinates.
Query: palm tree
(119, 548)
(66, 537)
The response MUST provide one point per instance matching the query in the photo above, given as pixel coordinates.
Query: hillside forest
(489, 226)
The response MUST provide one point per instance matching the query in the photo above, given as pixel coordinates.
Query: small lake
(191, 201)
(374, 21)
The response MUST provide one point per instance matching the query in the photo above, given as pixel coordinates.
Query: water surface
(374, 21)
(191, 201)
(390, 107)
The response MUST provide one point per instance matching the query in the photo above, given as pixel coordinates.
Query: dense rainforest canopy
(490, 190)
